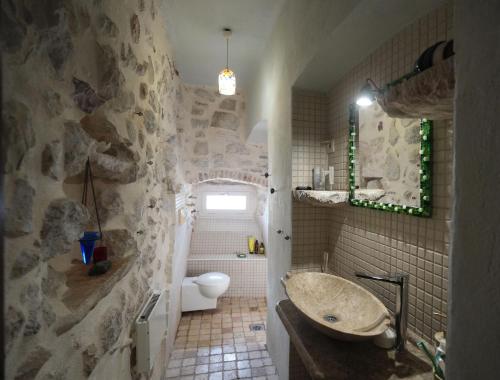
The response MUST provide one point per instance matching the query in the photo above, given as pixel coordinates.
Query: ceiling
(370, 24)
(195, 31)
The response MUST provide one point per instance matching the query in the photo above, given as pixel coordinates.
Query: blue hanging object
(87, 245)
(87, 242)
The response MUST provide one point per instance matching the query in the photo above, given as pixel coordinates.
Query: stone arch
(231, 175)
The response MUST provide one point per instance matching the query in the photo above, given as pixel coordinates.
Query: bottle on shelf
(256, 249)
(251, 244)
(262, 250)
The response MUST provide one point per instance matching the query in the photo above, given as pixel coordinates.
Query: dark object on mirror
(434, 54)
(272, 190)
(303, 188)
(100, 268)
(266, 175)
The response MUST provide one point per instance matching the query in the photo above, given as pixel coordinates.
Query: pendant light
(227, 79)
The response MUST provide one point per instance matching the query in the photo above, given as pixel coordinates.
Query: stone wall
(85, 79)
(212, 135)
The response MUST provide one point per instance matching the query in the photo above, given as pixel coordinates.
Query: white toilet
(201, 293)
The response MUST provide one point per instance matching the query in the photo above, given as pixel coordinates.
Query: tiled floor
(219, 345)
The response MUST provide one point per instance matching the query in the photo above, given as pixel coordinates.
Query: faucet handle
(393, 278)
(401, 277)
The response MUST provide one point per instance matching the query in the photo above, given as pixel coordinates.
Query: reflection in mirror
(389, 158)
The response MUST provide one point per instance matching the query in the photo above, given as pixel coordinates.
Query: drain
(330, 318)
(257, 327)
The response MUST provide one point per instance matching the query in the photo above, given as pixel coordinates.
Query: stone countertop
(326, 358)
(335, 198)
(322, 198)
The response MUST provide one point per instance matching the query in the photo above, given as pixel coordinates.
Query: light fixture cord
(227, 53)
(369, 80)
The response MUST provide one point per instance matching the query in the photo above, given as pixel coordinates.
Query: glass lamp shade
(364, 101)
(87, 244)
(227, 82)
(366, 96)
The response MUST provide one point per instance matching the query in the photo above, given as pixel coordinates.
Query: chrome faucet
(402, 281)
(324, 265)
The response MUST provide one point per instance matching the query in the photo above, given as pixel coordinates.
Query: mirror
(389, 161)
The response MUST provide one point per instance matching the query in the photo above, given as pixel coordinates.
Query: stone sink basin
(337, 307)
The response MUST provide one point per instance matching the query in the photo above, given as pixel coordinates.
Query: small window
(226, 202)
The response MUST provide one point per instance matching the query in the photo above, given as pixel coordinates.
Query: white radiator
(151, 328)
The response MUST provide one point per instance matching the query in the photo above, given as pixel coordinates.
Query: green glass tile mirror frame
(425, 208)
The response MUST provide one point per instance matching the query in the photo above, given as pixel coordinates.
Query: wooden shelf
(82, 287)
(84, 292)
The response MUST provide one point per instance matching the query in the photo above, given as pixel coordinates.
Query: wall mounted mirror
(389, 161)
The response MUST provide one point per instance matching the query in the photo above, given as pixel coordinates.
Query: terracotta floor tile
(242, 356)
(215, 367)
(229, 366)
(229, 357)
(230, 375)
(228, 349)
(216, 376)
(244, 373)
(203, 351)
(242, 364)
(218, 344)
(261, 371)
(215, 358)
(202, 368)
(202, 360)
(173, 372)
(255, 363)
(188, 362)
(215, 350)
(254, 355)
(187, 370)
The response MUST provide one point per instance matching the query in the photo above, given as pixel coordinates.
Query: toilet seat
(212, 278)
(212, 284)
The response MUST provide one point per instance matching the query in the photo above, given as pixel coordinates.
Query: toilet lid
(212, 278)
